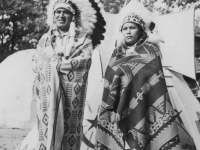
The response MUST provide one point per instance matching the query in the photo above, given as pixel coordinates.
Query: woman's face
(131, 33)
(63, 18)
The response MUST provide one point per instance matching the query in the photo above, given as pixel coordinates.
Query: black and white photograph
(99, 75)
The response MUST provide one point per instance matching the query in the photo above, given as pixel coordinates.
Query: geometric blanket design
(60, 87)
(136, 108)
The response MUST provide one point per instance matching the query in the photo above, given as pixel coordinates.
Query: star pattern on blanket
(93, 123)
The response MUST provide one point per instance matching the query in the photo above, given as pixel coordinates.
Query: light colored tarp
(16, 81)
(177, 30)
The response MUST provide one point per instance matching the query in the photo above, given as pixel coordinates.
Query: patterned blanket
(60, 87)
(136, 107)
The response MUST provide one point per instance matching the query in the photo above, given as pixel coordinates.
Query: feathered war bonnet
(87, 15)
(134, 11)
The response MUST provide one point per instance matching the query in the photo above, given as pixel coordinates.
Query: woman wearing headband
(136, 109)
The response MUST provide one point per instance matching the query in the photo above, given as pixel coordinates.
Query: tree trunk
(14, 33)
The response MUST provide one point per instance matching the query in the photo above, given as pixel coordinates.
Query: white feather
(89, 19)
(88, 11)
(155, 37)
(50, 12)
(100, 5)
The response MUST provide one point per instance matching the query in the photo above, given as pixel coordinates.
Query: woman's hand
(115, 118)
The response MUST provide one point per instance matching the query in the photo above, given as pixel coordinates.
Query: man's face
(63, 18)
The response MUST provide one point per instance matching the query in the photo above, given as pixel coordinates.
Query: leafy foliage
(22, 23)
(113, 6)
(157, 6)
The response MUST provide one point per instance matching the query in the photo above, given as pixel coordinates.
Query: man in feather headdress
(61, 63)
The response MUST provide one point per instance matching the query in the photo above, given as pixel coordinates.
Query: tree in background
(112, 6)
(22, 22)
(158, 6)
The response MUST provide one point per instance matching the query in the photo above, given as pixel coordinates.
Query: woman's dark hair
(142, 32)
